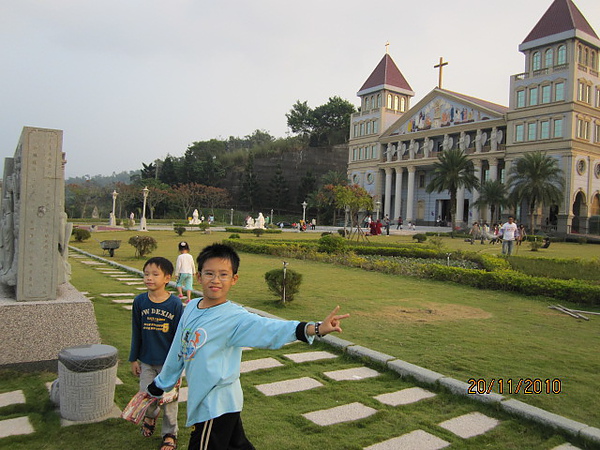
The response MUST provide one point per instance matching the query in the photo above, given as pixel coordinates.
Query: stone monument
(40, 311)
(195, 220)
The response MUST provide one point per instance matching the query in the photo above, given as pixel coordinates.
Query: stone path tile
(405, 396)
(16, 426)
(288, 386)
(309, 356)
(129, 279)
(110, 272)
(12, 398)
(128, 300)
(257, 364)
(357, 373)
(128, 307)
(134, 283)
(116, 274)
(566, 446)
(141, 289)
(93, 263)
(415, 440)
(469, 425)
(118, 294)
(340, 414)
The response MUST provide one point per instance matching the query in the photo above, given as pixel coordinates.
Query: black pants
(223, 433)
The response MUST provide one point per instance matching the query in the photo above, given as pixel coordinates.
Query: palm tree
(493, 194)
(452, 171)
(537, 179)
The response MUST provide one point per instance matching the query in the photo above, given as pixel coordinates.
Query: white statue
(249, 222)
(195, 220)
(478, 143)
(260, 221)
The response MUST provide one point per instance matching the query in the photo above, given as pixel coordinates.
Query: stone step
(339, 414)
(415, 440)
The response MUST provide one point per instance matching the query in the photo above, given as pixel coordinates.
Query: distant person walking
(185, 269)
(399, 223)
(508, 231)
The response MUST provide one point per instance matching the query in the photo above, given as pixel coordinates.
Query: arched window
(379, 100)
(562, 55)
(593, 60)
(549, 58)
(580, 54)
(586, 57)
(536, 61)
(396, 105)
(367, 104)
(402, 104)
(389, 101)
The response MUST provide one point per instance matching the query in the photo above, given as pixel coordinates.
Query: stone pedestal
(86, 381)
(33, 333)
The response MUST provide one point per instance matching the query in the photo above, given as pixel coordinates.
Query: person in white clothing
(185, 269)
(509, 233)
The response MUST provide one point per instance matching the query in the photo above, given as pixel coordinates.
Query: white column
(411, 193)
(460, 206)
(493, 162)
(388, 192)
(475, 209)
(397, 201)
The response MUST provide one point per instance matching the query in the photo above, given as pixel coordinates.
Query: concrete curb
(406, 369)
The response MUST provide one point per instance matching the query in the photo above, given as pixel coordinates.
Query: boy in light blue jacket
(208, 345)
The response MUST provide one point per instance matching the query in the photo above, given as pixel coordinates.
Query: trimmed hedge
(496, 273)
(251, 230)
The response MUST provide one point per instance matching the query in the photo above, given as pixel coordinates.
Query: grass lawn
(459, 331)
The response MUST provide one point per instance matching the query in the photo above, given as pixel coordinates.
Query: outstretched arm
(329, 325)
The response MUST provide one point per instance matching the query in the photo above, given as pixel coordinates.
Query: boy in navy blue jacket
(154, 320)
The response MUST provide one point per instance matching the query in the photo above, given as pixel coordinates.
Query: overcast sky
(130, 81)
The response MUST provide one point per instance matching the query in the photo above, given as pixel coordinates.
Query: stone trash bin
(86, 381)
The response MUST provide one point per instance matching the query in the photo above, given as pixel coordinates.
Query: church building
(554, 107)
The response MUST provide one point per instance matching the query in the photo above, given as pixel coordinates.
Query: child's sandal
(148, 426)
(169, 445)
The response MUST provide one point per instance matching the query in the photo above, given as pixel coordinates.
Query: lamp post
(143, 219)
(113, 220)
(378, 205)
(271, 221)
(304, 205)
(231, 217)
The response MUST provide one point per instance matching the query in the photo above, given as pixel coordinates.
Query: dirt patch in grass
(429, 312)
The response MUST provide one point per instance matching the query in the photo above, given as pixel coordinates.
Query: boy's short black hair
(184, 246)
(162, 263)
(219, 251)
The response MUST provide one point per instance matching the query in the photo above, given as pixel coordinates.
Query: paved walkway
(465, 426)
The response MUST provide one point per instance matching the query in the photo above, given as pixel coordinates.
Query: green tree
(332, 121)
(168, 171)
(326, 124)
(536, 178)
(300, 119)
(250, 186)
(308, 184)
(279, 190)
(355, 198)
(452, 171)
(148, 171)
(493, 194)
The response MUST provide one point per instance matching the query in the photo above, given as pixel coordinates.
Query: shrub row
(496, 274)
(251, 230)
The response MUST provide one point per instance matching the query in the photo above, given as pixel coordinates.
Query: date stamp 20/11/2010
(527, 386)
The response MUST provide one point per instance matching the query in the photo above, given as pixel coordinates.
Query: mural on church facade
(442, 112)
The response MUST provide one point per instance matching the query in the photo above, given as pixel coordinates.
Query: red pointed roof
(386, 74)
(562, 16)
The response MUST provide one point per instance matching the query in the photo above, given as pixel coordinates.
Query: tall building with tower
(554, 107)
